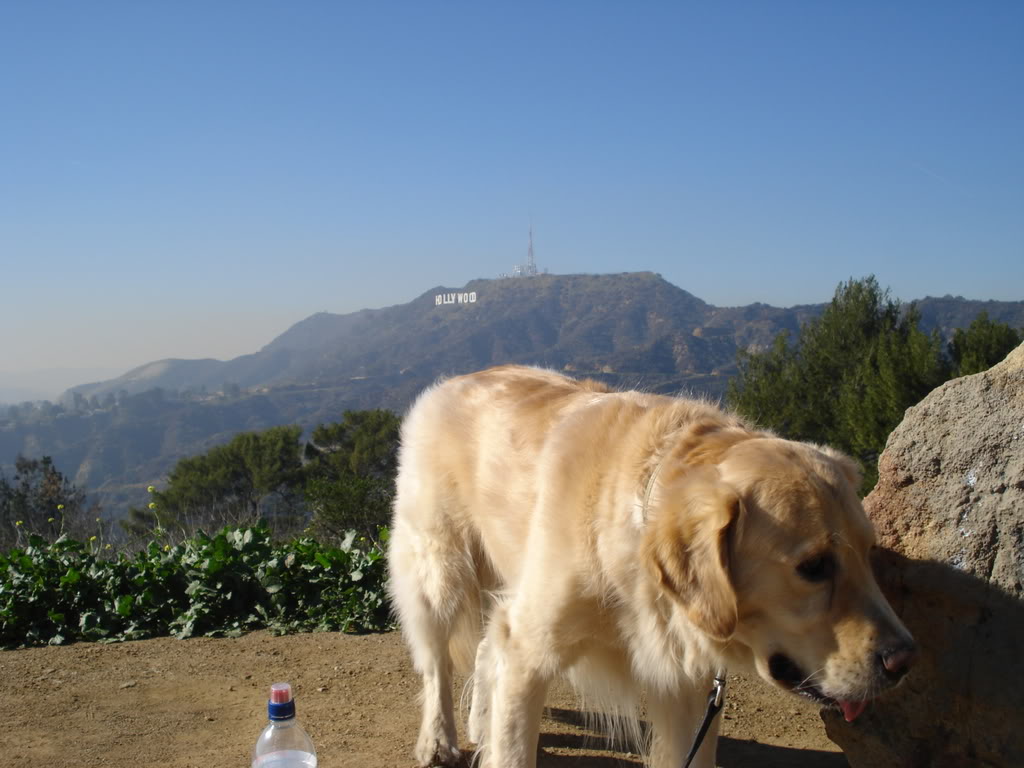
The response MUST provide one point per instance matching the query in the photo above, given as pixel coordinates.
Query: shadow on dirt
(732, 753)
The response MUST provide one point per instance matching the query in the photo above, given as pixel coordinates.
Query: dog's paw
(475, 733)
(434, 754)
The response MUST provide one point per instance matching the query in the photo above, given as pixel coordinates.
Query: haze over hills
(116, 437)
(47, 384)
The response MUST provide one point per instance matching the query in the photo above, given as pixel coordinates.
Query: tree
(350, 471)
(40, 499)
(256, 474)
(899, 367)
(982, 345)
(344, 475)
(346, 502)
(363, 442)
(849, 377)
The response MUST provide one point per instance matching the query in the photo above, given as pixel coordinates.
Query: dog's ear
(687, 548)
(849, 468)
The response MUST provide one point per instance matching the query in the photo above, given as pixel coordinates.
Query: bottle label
(285, 758)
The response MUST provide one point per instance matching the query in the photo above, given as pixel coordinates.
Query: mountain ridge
(115, 437)
(326, 346)
(544, 319)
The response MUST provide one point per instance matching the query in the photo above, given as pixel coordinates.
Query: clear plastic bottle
(283, 743)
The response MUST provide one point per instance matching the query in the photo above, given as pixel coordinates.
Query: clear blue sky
(189, 178)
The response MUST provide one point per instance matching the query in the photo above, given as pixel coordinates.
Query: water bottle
(283, 743)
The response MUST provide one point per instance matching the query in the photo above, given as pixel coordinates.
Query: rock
(949, 511)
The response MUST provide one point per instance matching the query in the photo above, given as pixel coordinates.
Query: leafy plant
(220, 585)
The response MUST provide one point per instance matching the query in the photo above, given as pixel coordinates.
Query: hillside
(116, 437)
(947, 313)
(615, 323)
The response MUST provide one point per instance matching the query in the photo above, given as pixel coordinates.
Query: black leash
(716, 699)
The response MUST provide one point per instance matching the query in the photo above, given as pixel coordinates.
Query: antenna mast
(531, 263)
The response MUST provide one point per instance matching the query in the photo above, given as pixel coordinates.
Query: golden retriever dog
(636, 544)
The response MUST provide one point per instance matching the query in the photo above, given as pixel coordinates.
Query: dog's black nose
(898, 660)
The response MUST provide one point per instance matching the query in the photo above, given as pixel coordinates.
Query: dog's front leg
(520, 683)
(437, 742)
(675, 719)
(483, 690)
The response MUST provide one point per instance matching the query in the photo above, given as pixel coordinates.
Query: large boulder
(949, 510)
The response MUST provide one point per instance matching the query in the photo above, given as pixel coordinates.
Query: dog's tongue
(852, 709)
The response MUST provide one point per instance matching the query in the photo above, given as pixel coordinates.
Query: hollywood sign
(455, 298)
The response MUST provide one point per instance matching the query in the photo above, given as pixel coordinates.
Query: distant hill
(116, 437)
(947, 313)
(629, 323)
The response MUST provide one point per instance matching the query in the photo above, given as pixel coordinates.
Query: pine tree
(848, 379)
(982, 345)
(350, 470)
(255, 475)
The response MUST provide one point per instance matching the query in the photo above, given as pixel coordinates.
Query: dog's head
(768, 550)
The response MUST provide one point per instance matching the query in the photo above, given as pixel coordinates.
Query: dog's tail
(468, 623)
(465, 634)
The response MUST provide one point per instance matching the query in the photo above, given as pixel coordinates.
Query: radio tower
(531, 263)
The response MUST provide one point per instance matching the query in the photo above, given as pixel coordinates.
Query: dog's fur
(633, 542)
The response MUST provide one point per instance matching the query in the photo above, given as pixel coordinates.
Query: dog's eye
(818, 568)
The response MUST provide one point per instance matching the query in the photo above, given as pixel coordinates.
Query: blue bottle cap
(281, 705)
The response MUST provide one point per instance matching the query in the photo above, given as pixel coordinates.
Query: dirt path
(201, 704)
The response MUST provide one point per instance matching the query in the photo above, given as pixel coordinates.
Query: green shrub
(220, 585)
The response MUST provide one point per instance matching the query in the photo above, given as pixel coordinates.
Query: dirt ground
(201, 703)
